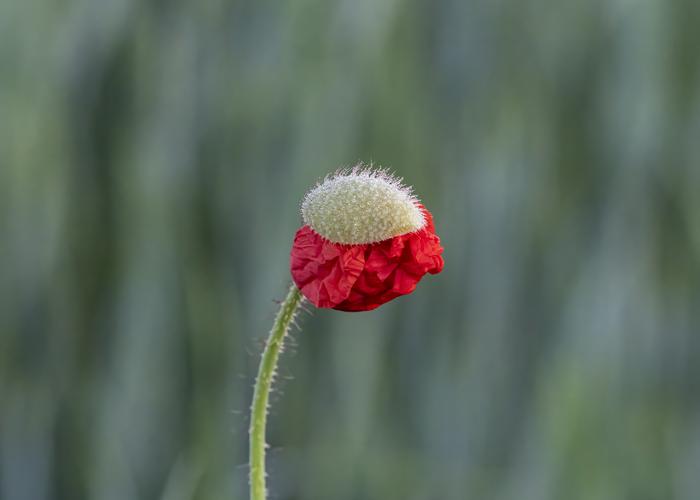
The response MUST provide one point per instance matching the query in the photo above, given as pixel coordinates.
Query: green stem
(266, 373)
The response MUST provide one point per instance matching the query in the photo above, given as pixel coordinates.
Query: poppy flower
(366, 240)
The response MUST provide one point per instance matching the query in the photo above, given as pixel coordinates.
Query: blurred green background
(153, 156)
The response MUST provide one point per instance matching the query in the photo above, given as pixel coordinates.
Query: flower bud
(366, 240)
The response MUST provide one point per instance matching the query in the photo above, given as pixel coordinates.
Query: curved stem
(266, 373)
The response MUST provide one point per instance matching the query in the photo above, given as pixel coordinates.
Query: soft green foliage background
(152, 159)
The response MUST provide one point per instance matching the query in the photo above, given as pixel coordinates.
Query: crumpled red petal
(363, 277)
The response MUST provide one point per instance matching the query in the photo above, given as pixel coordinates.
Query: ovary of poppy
(366, 240)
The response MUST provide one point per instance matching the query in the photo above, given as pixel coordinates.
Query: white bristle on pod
(361, 205)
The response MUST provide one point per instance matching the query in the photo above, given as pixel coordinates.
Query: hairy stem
(266, 373)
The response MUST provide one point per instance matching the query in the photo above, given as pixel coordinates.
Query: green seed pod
(361, 205)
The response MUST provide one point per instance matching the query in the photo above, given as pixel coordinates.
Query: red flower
(361, 277)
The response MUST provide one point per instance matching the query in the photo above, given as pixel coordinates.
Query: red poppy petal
(377, 261)
(363, 277)
(394, 268)
(323, 271)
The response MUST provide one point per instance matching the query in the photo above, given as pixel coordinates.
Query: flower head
(366, 240)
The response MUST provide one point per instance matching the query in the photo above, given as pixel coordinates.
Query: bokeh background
(152, 159)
